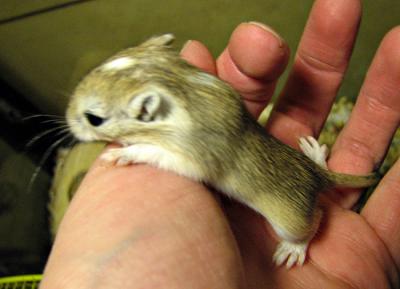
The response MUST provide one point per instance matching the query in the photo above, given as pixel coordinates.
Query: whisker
(73, 142)
(39, 136)
(63, 130)
(42, 116)
(56, 121)
(44, 159)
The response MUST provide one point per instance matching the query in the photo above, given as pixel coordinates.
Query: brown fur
(231, 150)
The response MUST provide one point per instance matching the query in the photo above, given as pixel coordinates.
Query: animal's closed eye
(94, 120)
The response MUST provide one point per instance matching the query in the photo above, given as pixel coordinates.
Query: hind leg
(292, 253)
(293, 249)
(316, 152)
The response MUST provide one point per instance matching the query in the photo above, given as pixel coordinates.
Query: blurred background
(46, 46)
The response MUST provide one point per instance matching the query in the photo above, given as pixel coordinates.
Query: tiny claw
(111, 155)
(292, 253)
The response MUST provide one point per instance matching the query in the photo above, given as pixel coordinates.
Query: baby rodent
(168, 113)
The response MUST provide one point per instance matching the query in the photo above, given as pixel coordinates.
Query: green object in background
(20, 282)
(72, 165)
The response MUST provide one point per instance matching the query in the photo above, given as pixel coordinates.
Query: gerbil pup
(167, 113)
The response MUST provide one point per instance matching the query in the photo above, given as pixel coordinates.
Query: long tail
(353, 181)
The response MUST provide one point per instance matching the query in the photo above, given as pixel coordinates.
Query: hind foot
(316, 152)
(292, 253)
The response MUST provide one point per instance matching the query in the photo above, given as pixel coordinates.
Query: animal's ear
(149, 106)
(157, 41)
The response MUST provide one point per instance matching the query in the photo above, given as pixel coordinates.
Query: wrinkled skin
(138, 227)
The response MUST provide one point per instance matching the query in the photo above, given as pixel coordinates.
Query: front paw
(117, 156)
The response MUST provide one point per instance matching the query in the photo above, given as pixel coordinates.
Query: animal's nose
(93, 119)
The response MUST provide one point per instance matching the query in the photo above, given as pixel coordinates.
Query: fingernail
(187, 43)
(267, 28)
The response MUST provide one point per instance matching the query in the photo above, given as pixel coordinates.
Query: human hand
(145, 228)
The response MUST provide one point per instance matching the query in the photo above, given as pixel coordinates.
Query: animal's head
(134, 93)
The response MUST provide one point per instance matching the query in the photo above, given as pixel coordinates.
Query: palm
(346, 253)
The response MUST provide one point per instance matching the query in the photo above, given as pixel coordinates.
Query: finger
(363, 142)
(254, 59)
(198, 55)
(382, 211)
(320, 63)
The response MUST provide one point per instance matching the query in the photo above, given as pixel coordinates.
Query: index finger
(320, 63)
